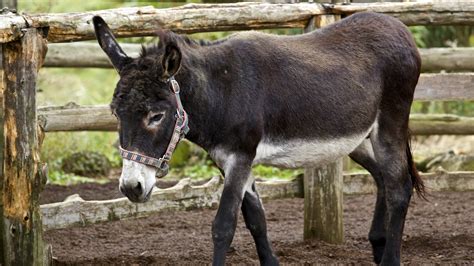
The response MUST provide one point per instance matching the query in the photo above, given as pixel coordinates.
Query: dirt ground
(439, 231)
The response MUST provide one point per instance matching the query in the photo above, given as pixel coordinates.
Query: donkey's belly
(300, 153)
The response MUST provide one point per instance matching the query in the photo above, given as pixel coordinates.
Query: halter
(180, 130)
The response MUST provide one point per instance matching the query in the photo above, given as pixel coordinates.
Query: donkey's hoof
(270, 261)
(378, 247)
(390, 261)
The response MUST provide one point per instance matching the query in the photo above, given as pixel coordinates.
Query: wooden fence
(23, 47)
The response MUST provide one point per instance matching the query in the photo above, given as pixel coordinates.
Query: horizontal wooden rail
(72, 117)
(144, 21)
(77, 118)
(449, 59)
(437, 13)
(91, 55)
(75, 211)
(445, 87)
(442, 124)
(83, 54)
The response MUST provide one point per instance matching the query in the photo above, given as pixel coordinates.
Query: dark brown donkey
(287, 101)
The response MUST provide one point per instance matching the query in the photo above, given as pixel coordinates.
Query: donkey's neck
(200, 91)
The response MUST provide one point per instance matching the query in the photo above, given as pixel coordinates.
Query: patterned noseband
(179, 131)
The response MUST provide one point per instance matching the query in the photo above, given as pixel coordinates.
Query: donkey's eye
(155, 118)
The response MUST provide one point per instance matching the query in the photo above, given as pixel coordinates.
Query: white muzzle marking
(137, 180)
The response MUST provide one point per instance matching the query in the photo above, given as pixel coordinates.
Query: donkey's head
(145, 107)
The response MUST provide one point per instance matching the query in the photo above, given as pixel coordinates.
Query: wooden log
(73, 117)
(10, 27)
(77, 212)
(442, 124)
(190, 18)
(21, 229)
(358, 184)
(183, 196)
(431, 13)
(447, 59)
(276, 189)
(91, 55)
(445, 87)
(323, 203)
(84, 55)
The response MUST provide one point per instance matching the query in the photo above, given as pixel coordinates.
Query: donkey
(286, 101)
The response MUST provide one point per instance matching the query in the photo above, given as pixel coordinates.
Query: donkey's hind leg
(364, 155)
(254, 217)
(390, 149)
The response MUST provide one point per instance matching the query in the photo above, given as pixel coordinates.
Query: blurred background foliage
(87, 86)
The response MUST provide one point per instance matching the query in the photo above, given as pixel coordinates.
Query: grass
(65, 179)
(267, 172)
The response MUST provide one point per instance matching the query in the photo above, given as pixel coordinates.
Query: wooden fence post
(21, 179)
(323, 203)
(323, 186)
(10, 4)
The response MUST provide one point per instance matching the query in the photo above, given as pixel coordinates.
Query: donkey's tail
(415, 176)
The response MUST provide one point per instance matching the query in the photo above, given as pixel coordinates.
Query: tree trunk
(21, 180)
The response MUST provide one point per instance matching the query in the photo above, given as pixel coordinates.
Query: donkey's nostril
(138, 189)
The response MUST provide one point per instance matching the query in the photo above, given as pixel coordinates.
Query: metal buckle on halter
(174, 85)
(163, 169)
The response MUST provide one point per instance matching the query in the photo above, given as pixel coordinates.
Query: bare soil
(440, 231)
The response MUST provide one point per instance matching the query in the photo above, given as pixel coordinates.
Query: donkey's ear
(108, 43)
(171, 61)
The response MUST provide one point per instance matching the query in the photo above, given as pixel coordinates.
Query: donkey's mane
(156, 48)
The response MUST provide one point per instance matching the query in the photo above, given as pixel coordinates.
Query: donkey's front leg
(236, 169)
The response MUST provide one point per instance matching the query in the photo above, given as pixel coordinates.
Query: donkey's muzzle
(137, 180)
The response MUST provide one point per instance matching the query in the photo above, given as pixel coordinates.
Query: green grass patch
(65, 179)
(268, 172)
(84, 86)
